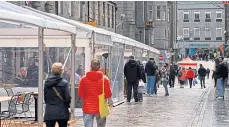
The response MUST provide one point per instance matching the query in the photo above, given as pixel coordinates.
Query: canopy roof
(187, 62)
(102, 36)
(13, 13)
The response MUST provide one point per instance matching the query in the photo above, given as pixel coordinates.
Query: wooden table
(2, 99)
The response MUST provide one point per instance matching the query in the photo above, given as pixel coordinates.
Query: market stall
(187, 62)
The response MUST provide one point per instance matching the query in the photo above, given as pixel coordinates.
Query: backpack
(179, 74)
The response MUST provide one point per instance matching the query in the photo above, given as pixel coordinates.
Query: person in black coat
(143, 76)
(132, 73)
(172, 75)
(56, 109)
(202, 73)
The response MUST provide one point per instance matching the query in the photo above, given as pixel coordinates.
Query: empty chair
(11, 112)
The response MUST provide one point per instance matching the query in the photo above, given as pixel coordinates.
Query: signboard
(205, 45)
(192, 51)
(148, 24)
(92, 23)
(167, 55)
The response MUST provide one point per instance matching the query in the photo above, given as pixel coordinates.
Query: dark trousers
(202, 81)
(133, 86)
(215, 79)
(52, 123)
(190, 82)
(171, 81)
(155, 87)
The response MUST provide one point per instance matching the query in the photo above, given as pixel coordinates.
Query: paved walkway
(217, 110)
(183, 108)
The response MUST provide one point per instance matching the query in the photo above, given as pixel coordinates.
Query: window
(196, 32)
(151, 12)
(186, 32)
(207, 33)
(197, 15)
(219, 16)
(99, 13)
(164, 12)
(207, 16)
(186, 16)
(158, 12)
(112, 17)
(218, 33)
(108, 15)
(104, 14)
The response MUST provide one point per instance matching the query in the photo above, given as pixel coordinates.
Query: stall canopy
(84, 31)
(13, 13)
(187, 62)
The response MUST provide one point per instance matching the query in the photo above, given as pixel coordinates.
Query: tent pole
(40, 75)
(73, 36)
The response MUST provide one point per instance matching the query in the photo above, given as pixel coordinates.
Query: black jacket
(143, 76)
(221, 71)
(132, 71)
(150, 69)
(56, 109)
(172, 72)
(202, 72)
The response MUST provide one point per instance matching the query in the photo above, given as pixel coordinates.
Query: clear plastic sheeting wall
(117, 72)
(100, 50)
(138, 54)
(128, 52)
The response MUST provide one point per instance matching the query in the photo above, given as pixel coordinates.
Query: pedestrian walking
(57, 98)
(190, 76)
(182, 77)
(132, 73)
(150, 70)
(202, 73)
(91, 86)
(222, 75)
(142, 82)
(208, 72)
(165, 78)
(172, 75)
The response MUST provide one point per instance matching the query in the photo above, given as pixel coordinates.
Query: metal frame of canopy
(97, 36)
(40, 23)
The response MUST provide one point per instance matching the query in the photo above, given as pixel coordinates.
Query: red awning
(187, 62)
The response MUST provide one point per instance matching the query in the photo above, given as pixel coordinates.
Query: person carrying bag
(57, 103)
(95, 91)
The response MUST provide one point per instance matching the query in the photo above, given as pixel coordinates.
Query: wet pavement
(217, 110)
(183, 108)
(186, 107)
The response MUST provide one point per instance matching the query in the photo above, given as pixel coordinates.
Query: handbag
(61, 98)
(104, 109)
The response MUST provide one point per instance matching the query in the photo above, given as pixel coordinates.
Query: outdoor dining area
(31, 41)
(18, 111)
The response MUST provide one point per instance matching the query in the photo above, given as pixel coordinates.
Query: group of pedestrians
(57, 96)
(135, 73)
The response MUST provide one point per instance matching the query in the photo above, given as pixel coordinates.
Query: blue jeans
(220, 86)
(165, 84)
(150, 84)
(89, 119)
